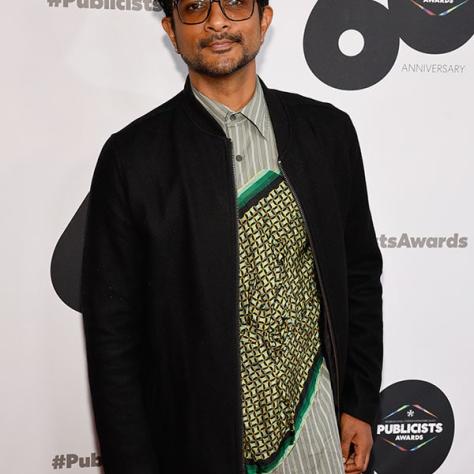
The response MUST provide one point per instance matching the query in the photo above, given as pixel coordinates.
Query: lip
(218, 45)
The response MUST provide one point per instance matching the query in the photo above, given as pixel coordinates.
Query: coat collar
(204, 120)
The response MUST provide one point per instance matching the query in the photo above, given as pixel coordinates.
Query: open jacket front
(160, 280)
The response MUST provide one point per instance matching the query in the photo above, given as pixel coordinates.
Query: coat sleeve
(112, 308)
(362, 380)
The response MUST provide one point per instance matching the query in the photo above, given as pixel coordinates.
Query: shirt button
(239, 157)
(232, 116)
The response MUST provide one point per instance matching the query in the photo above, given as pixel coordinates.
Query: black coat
(160, 280)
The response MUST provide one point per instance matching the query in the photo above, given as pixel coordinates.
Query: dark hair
(167, 5)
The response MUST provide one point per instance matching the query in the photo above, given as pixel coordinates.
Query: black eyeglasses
(192, 12)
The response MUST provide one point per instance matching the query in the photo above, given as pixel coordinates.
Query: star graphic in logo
(410, 413)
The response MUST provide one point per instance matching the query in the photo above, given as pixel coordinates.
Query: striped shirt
(251, 133)
(317, 447)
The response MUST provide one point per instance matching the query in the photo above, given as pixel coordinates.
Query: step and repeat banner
(75, 71)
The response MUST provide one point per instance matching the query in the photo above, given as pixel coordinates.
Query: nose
(216, 20)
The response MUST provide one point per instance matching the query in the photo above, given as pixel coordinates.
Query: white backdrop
(72, 76)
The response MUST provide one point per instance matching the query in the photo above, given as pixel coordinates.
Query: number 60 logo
(428, 26)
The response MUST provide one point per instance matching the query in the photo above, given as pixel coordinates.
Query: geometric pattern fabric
(279, 316)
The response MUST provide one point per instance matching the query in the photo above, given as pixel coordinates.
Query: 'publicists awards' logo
(409, 427)
(414, 430)
(439, 7)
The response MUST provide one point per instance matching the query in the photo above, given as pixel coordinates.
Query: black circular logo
(429, 26)
(414, 429)
(328, 20)
(433, 27)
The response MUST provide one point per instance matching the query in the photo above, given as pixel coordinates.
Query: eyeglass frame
(175, 5)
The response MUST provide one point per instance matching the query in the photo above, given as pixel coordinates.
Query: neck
(234, 90)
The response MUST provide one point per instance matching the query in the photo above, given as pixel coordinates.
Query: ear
(265, 21)
(167, 24)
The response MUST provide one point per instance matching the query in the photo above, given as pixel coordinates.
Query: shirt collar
(255, 110)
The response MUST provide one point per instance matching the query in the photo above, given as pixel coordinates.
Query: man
(231, 275)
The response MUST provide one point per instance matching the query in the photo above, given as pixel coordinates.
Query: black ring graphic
(328, 20)
(435, 33)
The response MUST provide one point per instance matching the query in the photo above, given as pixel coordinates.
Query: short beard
(198, 64)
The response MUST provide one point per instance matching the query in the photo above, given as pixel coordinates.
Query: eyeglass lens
(196, 11)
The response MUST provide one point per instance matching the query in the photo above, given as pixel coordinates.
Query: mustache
(227, 36)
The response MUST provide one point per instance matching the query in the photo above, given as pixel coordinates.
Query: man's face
(240, 41)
